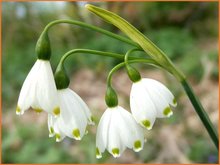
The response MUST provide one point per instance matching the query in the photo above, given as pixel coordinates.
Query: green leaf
(148, 46)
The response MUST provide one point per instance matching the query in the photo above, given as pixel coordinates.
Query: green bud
(43, 49)
(133, 74)
(111, 97)
(61, 78)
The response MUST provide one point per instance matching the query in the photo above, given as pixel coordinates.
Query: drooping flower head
(150, 99)
(117, 130)
(39, 89)
(75, 114)
(74, 117)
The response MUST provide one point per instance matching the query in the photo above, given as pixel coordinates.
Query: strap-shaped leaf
(148, 46)
(129, 30)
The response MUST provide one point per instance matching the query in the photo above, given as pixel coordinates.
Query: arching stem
(91, 27)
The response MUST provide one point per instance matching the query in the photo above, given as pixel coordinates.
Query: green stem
(133, 73)
(91, 27)
(117, 67)
(113, 70)
(106, 54)
(94, 52)
(201, 112)
(129, 52)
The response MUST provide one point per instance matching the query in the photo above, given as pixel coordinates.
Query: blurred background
(186, 31)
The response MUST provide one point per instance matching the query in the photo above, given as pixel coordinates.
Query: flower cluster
(68, 115)
(118, 129)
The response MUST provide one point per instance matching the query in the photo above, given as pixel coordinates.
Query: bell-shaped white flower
(117, 130)
(39, 90)
(150, 99)
(73, 119)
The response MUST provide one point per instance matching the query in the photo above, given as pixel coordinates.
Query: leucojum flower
(117, 129)
(150, 99)
(75, 114)
(73, 119)
(71, 115)
(39, 89)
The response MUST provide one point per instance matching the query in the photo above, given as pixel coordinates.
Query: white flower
(39, 90)
(150, 99)
(73, 119)
(116, 131)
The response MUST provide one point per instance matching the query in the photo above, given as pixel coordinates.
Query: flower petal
(46, 92)
(59, 134)
(27, 93)
(74, 120)
(51, 122)
(115, 143)
(165, 92)
(130, 129)
(142, 106)
(84, 107)
(102, 131)
(162, 106)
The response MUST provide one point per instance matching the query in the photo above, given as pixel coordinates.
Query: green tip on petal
(56, 111)
(98, 154)
(18, 110)
(76, 134)
(137, 146)
(147, 124)
(92, 119)
(167, 112)
(115, 152)
(174, 101)
(51, 130)
(58, 137)
(38, 110)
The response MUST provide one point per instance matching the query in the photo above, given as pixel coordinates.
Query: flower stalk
(91, 27)
(201, 112)
(161, 58)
